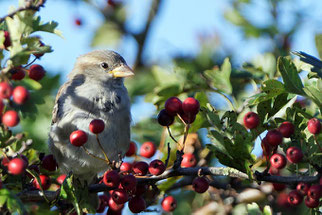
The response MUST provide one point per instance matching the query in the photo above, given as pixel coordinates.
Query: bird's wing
(56, 114)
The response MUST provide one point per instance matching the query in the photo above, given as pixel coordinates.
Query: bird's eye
(104, 65)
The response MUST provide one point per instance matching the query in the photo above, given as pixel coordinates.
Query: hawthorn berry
(278, 161)
(137, 204)
(200, 185)
(128, 183)
(132, 149)
(314, 126)
(60, 179)
(17, 166)
(49, 163)
(282, 200)
(173, 106)
(17, 73)
(156, 167)
(164, 118)
(78, 21)
(78, 138)
(273, 171)
(39, 55)
(20, 95)
(169, 204)
(251, 120)
(302, 188)
(294, 154)
(111, 179)
(147, 149)
(36, 72)
(5, 161)
(294, 198)
(10, 118)
(140, 168)
(7, 40)
(188, 160)
(113, 206)
(266, 147)
(120, 196)
(190, 106)
(188, 119)
(5, 90)
(103, 202)
(274, 137)
(311, 202)
(286, 129)
(315, 191)
(96, 126)
(44, 180)
(126, 167)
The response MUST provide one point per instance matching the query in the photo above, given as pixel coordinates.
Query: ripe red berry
(113, 206)
(132, 149)
(128, 183)
(44, 180)
(20, 95)
(156, 167)
(315, 191)
(120, 196)
(190, 106)
(111, 179)
(137, 204)
(7, 40)
(17, 166)
(49, 163)
(279, 187)
(147, 149)
(78, 138)
(286, 129)
(314, 126)
(36, 72)
(273, 171)
(5, 161)
(266, 147)
(274, 137)
(60, 179)
(140, 168)
(169, 204)
(294, 154)
(103, 202)
(188, 119)
(282, 200)
(17, 73)
(39, 55)
(78, 21)
(312, 203)
(5, 90)
(302, 188)
(294, 198)
(200, 185)
(10, 118)
(188, 160)
(278, 161)
(251, 120)
(173, 106)
(164, 118)
(126, 167)
(96, 126)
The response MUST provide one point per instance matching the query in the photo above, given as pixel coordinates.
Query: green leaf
(14, 204)
(68, 191)
(253, 209)
(267, 210)
(314, 91)
(272, 88)
(291, 78)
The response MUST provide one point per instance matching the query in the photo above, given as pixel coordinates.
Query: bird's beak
(122, 71)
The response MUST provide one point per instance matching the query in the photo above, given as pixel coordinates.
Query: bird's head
(102, 65)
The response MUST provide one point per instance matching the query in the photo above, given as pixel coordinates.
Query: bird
(94, 90)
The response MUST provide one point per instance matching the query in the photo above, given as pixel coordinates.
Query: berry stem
(170, 134)
(181, 119)
(30, 62)
(186, 131)
(168, 156)
(101, 147)
(90, 154)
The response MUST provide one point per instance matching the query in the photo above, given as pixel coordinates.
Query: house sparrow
(94, 90)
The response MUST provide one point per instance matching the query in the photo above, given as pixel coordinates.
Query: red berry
(312, 203)
(126, 167)
(113, 206)
(5, 90)
(188, 118)
(278, 161)
(60, 179)
(44, 180)
(78, 21)
(36, 72)
(314, 126)
(140, 168)
(111, 179)
(96, 126)
(111, 3)
(141, 189)
(147, 149)
(169, 204)
(5, 161)
(279, 187)
(282, 200)
(273, 171)
(17, 166)
(120, 196)
(7, 40)
(103, 202)
(164, 118)
(188, 160)
(156, 167)
(266, 147)
(39, 55)
(200, 185)
(132, 149)
(315, 191)
(302, 188)
(78, 138)
(294, 198)
(17, 73)
(173, 106)
(190, 106)
(10, 118)
(286, 129)
(251, 120)
(294, 154)
(274, 137)
(20, 95)
(137, 204)
(128, 183)
(49, 163)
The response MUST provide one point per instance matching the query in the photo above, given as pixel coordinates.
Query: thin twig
(100, 145)
(185, 135)
(168, 156)
(30, 62)
(94, 156)
(170, 134)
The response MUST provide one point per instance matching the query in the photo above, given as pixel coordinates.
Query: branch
(286, 179)
(28, 6)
